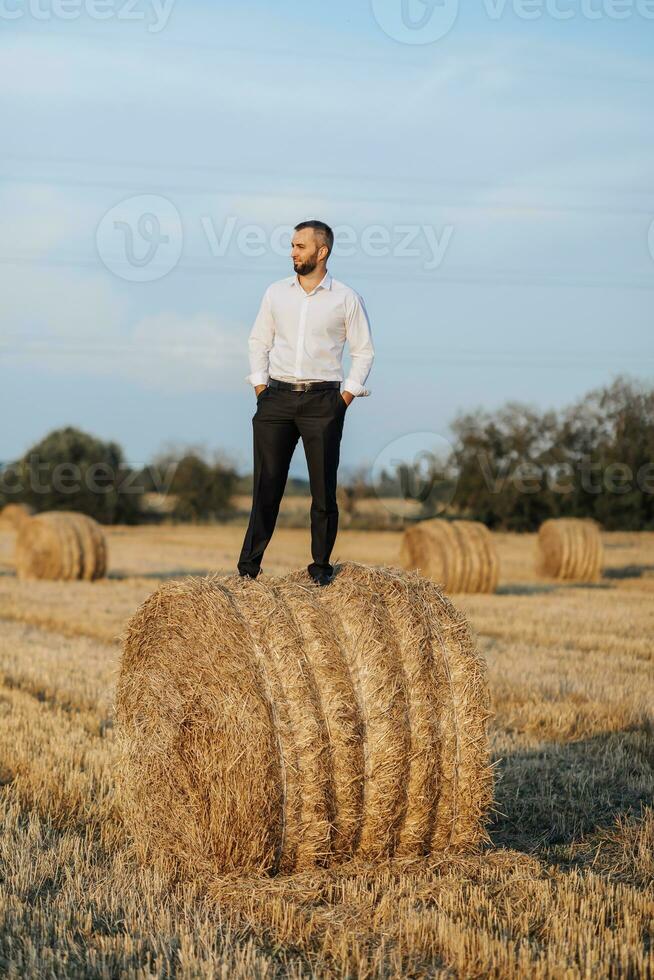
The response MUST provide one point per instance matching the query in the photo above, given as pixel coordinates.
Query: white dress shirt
(299, 336)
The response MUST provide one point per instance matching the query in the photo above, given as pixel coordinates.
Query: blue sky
(492, 186)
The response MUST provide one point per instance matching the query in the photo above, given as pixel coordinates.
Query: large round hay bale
(61, 545)
(460, 556)
(570, 548)
(275, 725)
(13, 515)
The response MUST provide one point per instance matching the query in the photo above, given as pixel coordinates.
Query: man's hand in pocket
(347, 397)
(259, 389)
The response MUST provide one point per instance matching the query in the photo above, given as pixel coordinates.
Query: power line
(476, 357)
(402, 59)
(367, 178)
(137, 187)
(485, 277)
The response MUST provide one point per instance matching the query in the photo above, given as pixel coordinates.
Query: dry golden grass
(566, 890)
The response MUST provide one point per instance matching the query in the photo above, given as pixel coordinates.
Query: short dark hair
(321, 229)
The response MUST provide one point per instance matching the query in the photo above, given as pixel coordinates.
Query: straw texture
(200, 768)
(60, 545)
(460, 556)
(570, 548)
(301, 727)
(275, 725)
(340, 709)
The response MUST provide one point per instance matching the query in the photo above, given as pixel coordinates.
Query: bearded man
(296, 351)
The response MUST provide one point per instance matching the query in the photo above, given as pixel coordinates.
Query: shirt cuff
(355, 388)
(258, 378)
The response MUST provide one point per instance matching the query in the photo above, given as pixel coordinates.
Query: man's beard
(305, 268)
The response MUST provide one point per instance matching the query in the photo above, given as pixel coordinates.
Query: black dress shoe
(324, 579)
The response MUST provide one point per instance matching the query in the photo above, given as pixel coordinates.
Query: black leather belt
(303, 385)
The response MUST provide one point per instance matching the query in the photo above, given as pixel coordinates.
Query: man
(296, 351)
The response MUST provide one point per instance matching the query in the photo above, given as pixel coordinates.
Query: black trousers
(282, 416)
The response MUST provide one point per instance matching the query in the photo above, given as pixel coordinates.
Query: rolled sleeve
(258, 378)
(362, 351)
(355, 388)
(260, 343)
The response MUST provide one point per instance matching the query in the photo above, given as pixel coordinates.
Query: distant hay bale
(275, 725)
(570, 548)
(13, 515)
(460, 556)
(346, 502)
(61, 545)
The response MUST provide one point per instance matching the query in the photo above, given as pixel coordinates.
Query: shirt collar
(326, 283)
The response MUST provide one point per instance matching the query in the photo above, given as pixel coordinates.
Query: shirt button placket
(300, 337)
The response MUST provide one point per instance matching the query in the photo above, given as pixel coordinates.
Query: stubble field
(565, 890)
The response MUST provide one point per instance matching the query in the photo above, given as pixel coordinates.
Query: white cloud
(186, 353)
(37, 218)
(47, 305)
(77, 323)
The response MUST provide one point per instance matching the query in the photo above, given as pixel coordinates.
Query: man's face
(304, 251)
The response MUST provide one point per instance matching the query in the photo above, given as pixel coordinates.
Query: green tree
(518, 466)
(202, 489)
(502, 459)
(608, 438)
(73, 470)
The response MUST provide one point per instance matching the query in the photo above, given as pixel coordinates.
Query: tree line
(515, 467)
(511, 468)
